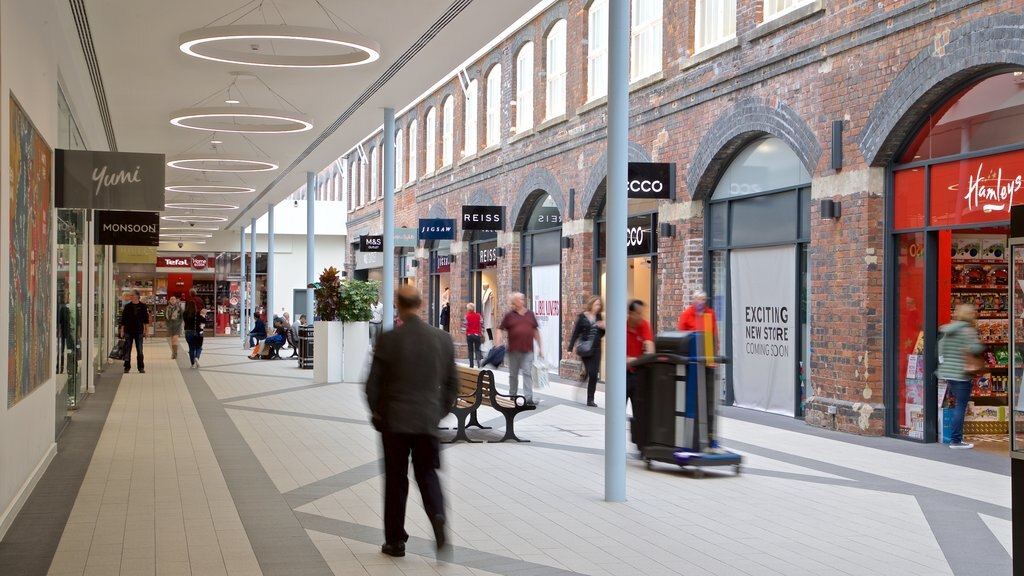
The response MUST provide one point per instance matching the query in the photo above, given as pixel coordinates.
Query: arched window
(470, 136)
(447, 131)
(524, 88)
(775, 8)
(555, 94)
(399, 158)
(597, 50)
(353, 181)
(646, 45)
(374, 180)
(413, 149)
(430, 141)
(362, 182)
(494, 106)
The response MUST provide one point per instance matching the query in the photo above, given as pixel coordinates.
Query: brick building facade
(878, 67)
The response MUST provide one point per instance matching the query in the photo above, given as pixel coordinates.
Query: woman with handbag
(589, 331)
(959, 360)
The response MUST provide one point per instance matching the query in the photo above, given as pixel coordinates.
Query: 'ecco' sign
(651, 180)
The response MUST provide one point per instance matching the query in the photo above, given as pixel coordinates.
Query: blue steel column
(243, 312)
(388, 290)
(252, 256)
(310, 276)
(271, 304)
(615, 230)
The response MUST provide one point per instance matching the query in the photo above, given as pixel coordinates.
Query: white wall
(38, 49)
(290, 264)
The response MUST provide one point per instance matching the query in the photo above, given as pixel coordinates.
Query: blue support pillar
(388, 290)
(271, 303)
(615, 230)
(243, 310)
(310, 262)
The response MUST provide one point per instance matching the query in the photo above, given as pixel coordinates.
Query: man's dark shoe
(397, 549)
(440, 534)
(141, 371)
(127, 370)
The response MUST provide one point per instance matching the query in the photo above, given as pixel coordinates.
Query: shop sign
(437, 229)
(641, 236)
(546, 217)
(173, 262)
(972, 191)
(443, 263)
(405, 237)
(486, 218)
(199, 262)
(487, 255)
(990, 190)
(365, 260)
(127, 228)
(371, 243)
(135, 254)
(110, 180)
(651, 180)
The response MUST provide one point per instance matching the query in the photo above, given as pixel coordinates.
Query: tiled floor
(246, 467)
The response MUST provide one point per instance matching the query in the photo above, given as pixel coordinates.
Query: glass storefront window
(910, 283)
(765, 165)
(908, 201)
(978, 190)
(988, 114)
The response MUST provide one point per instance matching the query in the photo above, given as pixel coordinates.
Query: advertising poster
(764, 328)
(546, 307)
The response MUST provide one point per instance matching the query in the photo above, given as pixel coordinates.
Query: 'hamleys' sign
(991, 192)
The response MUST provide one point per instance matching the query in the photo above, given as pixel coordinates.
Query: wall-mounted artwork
(31, 269)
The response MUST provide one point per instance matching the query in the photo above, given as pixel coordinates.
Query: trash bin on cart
(306, 346)
(675, 404)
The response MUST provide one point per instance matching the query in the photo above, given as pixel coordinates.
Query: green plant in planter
(357, 298)
(328, 295)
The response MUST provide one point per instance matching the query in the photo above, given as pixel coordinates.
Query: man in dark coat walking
(411, 386)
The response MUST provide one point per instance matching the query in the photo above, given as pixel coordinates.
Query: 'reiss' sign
(485, 218)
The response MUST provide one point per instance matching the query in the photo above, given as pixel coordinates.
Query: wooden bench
(472, 383)
(509, 406)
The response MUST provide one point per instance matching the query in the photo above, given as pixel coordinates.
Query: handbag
(117, 351)
(585, 348)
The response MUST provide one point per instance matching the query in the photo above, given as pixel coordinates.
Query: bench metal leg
(461, 434)
(474, 422)
(510, 433)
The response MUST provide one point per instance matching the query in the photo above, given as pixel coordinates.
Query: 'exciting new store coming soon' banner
(764, 328)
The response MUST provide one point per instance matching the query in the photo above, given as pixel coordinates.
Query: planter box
(327, 358)
(356, 351)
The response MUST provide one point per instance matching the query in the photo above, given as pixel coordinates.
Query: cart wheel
(698, 473)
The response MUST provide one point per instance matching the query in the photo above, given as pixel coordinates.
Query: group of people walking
(188, 315)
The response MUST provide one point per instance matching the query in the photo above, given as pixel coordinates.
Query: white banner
(547, 298)
(764, 328)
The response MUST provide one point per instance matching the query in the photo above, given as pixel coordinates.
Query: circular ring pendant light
(208, 189)
(164, 228)
(186, 235)
(242, 120)
(191, 218)
(240, 44)
(220, 163)
(199, 206)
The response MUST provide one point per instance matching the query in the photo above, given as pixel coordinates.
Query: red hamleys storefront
(949, 221)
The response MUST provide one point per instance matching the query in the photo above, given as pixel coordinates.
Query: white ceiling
(146, 78)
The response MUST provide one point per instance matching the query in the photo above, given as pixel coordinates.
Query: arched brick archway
(748, 120)
(538, 181)
(594, 192)
(974, 49)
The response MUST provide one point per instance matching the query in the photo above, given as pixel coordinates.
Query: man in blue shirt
(259, 330)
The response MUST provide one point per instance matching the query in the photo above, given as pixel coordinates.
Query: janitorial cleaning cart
(675, 403)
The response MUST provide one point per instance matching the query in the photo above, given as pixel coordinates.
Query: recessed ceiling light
(351, 50)
(216, 141)
(242, 120)
(221, 163)
(231, 101)
(199, 206)
(209, 189)
(187, 218)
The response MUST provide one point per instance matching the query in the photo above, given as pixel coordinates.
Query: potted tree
(357, 298)
(327, 327)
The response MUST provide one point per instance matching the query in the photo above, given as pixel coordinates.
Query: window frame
(768, 17)
(638, 32)
(413, 150)
(524, 88)
(430, 141)
(492, 117)
(700, 32)
(555, 80)
(597, 50)
(470, 136)
(447, 131)
(374, 175)
(399, 158)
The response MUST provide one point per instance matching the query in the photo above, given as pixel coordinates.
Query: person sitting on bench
(277, 340)
(259, 330)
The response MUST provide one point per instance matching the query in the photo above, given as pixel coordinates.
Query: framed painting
(31, 254)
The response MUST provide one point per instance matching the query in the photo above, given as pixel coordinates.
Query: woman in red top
(473, 334)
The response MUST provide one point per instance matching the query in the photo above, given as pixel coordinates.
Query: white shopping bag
(540, 373)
